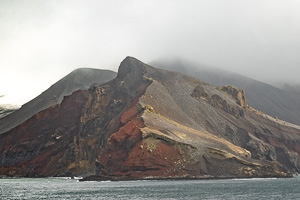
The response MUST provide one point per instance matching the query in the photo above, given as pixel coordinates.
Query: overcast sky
(42, 41)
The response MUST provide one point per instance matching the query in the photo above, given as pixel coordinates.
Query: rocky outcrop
(236, 93)
(234, 110)
(151, 124)
(215, 100)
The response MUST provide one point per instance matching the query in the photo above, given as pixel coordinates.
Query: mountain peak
(131, 65)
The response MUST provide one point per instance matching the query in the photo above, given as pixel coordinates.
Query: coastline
(99, 178)
(111, 178)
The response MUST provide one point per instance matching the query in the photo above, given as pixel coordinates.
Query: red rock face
(130, 155)
(154, 160)
(149, 123)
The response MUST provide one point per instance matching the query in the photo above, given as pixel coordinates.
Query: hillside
(151, 123)
(273, 101)
(78, 79)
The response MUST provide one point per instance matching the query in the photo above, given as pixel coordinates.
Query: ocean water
(50, 188)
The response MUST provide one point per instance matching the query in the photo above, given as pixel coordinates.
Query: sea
(64, 188)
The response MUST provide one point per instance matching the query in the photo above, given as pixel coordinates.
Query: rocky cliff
(151, 123)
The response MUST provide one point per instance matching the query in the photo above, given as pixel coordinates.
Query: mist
(42, 41)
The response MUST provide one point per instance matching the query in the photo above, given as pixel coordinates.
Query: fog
(42, 41)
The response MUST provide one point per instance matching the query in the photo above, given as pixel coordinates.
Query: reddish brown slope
(35, 147)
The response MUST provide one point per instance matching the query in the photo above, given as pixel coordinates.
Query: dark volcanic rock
(149, 123)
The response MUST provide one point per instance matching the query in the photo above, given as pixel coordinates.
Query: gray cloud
(41, 41)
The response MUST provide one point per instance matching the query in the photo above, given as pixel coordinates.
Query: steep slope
(151, 123)
(266, 98)
(78, 79)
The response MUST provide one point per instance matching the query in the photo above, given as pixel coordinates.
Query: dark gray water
(187, 189)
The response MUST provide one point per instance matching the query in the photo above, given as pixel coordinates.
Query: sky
(42, 41)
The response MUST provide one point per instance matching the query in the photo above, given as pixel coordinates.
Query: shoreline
(107, 178)
(96, 178)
